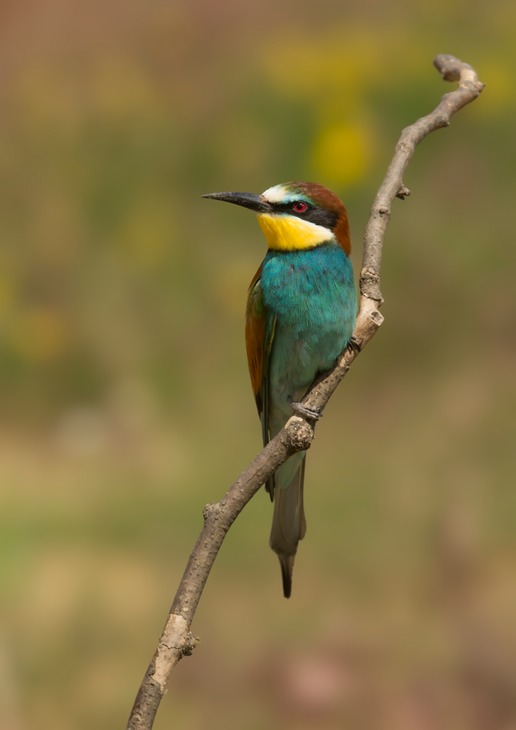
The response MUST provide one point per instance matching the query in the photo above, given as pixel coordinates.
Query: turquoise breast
(312, 295)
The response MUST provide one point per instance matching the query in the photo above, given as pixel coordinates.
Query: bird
(300, 314)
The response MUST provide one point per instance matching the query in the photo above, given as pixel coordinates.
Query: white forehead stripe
(276, 194)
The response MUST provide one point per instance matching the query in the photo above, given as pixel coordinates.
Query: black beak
(246, 200)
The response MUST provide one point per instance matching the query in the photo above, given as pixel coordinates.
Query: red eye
(299, 206)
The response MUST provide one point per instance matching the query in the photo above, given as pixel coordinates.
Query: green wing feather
(259, 336)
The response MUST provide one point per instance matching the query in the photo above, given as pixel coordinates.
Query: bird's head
(296, 215)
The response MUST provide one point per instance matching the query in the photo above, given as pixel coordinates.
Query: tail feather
(288, 522)
(287, 568)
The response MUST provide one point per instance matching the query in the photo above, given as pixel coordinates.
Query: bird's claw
(354, 345)
(301, 410)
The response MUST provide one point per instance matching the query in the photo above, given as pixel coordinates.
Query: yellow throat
(289, 233)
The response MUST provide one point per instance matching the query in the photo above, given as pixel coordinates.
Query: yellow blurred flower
(342, 153)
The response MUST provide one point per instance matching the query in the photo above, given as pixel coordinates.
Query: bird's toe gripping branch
(354, 345)
(312, 414)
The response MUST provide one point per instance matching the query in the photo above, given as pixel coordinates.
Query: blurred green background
(125, 403)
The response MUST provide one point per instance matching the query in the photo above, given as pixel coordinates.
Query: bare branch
(176, 640)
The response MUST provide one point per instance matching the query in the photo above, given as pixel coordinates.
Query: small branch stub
(300, 433)
(403, 192)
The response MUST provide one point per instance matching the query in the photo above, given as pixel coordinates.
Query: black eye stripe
(319, 216)
(289, 208)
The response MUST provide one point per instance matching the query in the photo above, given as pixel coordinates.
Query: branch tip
(452, 69)
(449, 67)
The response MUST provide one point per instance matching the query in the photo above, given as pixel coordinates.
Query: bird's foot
(311, 413)
(354, 345)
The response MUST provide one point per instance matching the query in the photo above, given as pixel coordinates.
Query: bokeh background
(125, 403)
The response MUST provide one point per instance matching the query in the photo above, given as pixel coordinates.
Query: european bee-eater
(301, 311)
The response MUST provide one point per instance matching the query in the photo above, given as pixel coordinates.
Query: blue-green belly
(313, 297)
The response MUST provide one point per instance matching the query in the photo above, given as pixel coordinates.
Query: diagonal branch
(176, 640)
